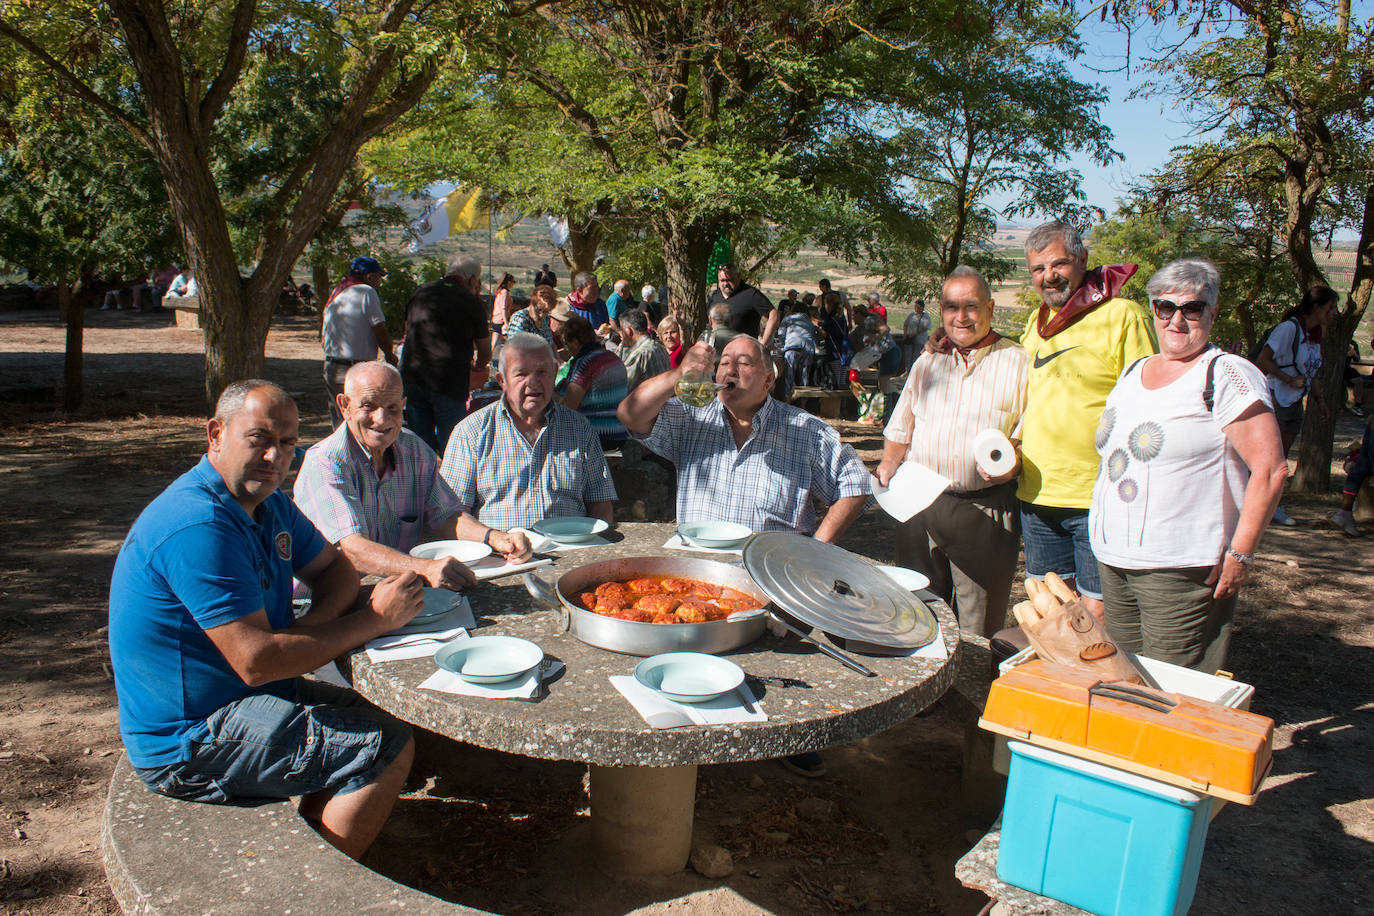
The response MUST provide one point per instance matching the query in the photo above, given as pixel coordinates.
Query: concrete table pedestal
(643, 779)
(642, 818)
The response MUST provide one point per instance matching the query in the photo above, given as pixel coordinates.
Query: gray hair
(636, 321)
(582, 278)
(232, 399)
(648, 292)
(1196, 275)
(964, 272)
(1046, 234)
(358, 370)
(720, 312)
(466, 266)
(525, 342)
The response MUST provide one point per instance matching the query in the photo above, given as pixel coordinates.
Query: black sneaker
(809, 764)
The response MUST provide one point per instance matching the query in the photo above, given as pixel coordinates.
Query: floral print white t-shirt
(1169, 485)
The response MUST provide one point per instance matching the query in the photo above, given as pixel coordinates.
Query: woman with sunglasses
(1191, 469)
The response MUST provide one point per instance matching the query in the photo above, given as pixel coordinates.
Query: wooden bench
(185, 309)
(164, 856)
(830, 400)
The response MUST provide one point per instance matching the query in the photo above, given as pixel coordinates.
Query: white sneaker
(1282, 518)
(1346, 522)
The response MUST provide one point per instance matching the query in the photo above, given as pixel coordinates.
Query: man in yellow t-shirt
(1080, 340)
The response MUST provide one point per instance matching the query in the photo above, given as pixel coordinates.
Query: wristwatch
(1244, 559)
(486, 538)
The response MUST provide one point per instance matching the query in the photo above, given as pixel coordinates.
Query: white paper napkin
(494, 567)
(446, 681)
(395, 646)
(912, 488)
(595, 541)
(543, 543)
(739, 705)
(677, 543)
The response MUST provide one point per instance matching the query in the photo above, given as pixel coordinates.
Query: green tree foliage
(1284, 86)
(1256, 285)
(254, 113)
(992, 113)
(79, 203)
(777, 123)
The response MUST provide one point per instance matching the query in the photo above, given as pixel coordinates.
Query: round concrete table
(643, 780)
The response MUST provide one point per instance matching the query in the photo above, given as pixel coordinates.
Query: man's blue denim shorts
(1057, 541)
(265, 747)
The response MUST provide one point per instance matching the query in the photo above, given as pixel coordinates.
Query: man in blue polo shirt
(207, 655)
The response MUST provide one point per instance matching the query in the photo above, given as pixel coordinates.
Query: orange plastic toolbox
(1195, 744)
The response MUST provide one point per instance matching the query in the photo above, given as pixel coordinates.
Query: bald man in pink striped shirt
(966, 541)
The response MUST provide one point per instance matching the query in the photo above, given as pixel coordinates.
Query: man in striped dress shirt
(968, 539)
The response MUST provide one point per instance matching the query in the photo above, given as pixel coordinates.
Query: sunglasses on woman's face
(1165, 309)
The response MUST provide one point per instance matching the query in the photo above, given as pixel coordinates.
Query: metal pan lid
(837, 591)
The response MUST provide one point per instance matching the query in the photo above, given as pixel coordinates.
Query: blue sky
(1143, 129)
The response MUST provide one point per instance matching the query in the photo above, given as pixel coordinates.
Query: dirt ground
(879, 833)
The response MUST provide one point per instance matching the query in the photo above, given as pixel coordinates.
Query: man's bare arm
(333, 585)
(839, 517)
(384, 342)
(770, 327)
(374, 559)
(260, 654)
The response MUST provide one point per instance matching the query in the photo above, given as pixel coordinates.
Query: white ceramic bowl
(714, 534)
(689, 677)
(571, 529)
(908, 579)
(489, 659)
(462, 551)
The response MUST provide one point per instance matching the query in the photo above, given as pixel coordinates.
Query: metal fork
(541, 686)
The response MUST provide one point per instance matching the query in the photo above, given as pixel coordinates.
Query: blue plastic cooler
(1100, 838)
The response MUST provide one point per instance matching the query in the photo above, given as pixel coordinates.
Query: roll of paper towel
(993, 452)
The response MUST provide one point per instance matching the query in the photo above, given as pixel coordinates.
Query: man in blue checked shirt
(526, 458)
(746, 457)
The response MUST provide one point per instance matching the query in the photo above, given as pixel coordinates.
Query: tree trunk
(1313, 473)
(235, 314)
(580, 253)
(74, 314)
(686, 250)
(235, 336)
(319, 278)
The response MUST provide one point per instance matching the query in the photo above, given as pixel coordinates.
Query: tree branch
(236, 50)
(78, 86)
(553, 87)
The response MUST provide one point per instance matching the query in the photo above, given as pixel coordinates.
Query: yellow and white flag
(462, 210)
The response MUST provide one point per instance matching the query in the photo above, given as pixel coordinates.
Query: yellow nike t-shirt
(1070, 377)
